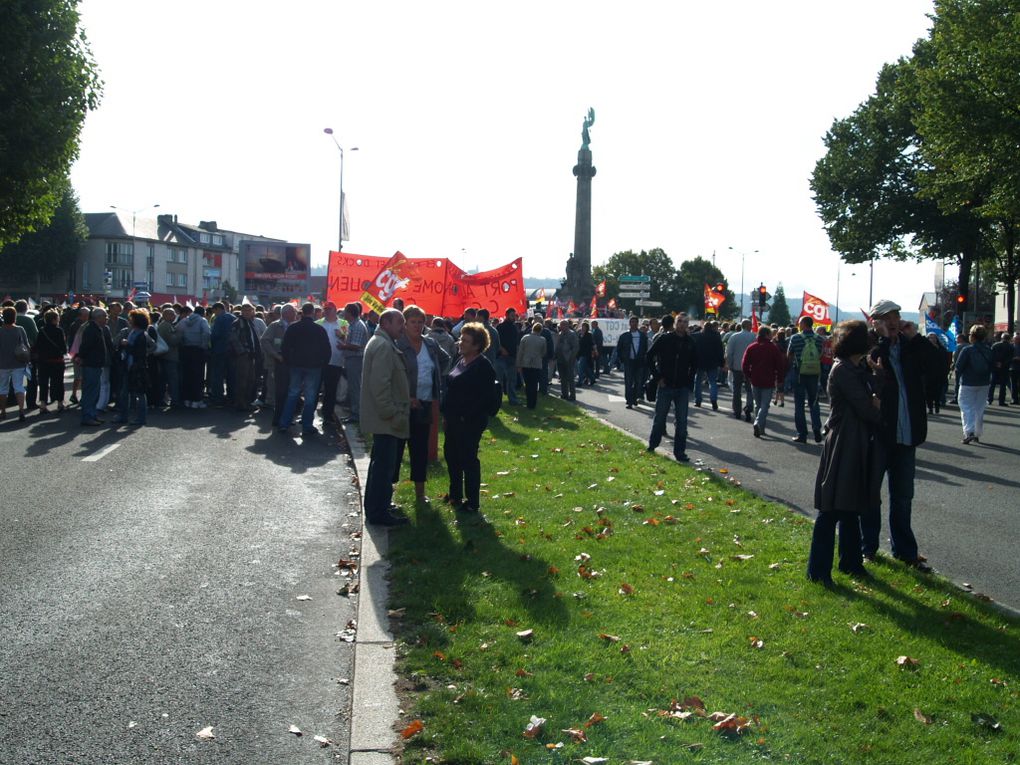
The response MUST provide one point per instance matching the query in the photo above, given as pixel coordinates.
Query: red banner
(818, 310)
(438, 286)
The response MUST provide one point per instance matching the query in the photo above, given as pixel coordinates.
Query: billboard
(276, 269)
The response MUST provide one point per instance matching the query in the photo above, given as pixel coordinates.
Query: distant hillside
(534, 284)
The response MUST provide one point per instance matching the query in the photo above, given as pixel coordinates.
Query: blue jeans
(171, 379)
(665, 398)
(713, 384)
(762, 400)
(379, 483)
(633, 380)
(506, 369)
(90, 377)
(806, 387)
(899, 462)
(585, 374)
(304, 381)
(220, 372)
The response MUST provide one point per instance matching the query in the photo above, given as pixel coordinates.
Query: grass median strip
(610, 603)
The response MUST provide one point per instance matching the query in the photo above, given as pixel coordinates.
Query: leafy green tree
(970, 122)
(692, 277)
(654, 263)
(48, 82)
(229, 291)
(780, 311)
(45, 254)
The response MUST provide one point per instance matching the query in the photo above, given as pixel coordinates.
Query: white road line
(100, 454)
(616, 399)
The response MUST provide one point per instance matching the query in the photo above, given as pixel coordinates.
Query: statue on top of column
(588, 122)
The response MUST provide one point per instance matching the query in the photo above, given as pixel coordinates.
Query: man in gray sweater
(735, 347)
(566, 361)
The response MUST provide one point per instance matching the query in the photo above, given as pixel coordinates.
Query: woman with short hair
(134, 352)
(50, 349)
(849, 480)
(974, 371)
(469, 389)
(13, 339)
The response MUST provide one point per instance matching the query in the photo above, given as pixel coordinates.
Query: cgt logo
(388, 284)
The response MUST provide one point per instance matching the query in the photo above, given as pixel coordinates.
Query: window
(149, 259)
(204, 238)
(178, 255)
(217, 239)
(121, 253)
(122, 277)
(176, 280)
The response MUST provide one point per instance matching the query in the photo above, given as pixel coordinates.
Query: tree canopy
(48, 82)
(780, 311)
(52, 249)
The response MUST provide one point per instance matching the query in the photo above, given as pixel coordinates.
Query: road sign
(650, 303)
(640, 294)
(641, 279)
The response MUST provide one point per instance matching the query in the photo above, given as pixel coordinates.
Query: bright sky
(467, 115)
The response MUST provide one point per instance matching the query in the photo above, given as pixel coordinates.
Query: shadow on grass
(951, 629)
(431, 567)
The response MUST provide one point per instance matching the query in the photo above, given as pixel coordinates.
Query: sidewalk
(374, 707)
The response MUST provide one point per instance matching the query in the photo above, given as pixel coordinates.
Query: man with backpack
(805, 354)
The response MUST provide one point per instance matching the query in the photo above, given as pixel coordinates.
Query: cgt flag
(713, 300)
(600, 289)
(394, 276)
(818, 310)
(594, 313)
(755, 326)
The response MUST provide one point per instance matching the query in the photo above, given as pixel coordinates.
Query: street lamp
(340, 239)
(134, 215)
(754, 252)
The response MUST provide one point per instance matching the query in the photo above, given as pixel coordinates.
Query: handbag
(161, 345)
(22, 353)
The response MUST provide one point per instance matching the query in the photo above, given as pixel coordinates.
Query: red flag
(571, 307)
(600, 290)
(713, 300)
(394, 276)
(612, 304)
(132, 293)
(594, 307)
(754, 321)
(817, 309)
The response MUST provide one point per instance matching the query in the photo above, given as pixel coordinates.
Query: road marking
(101, 453)
(616, 399)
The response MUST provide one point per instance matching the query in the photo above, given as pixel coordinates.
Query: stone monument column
(579, 285)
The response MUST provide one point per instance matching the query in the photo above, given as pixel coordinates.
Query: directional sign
(649, 303)
(641, 294)
(641, 279)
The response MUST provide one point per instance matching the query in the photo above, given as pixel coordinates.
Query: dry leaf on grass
(576, 734)
(921, 717)
(295, 730)
(416, 726)
(595, 719)
(534, 727)
(907, 661)
(626, 589)
(526, 635)
(609, 638)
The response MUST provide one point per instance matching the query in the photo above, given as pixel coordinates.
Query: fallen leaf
(303, 597)
(322, 741)
(595, 719)
(858, 627)
(907, 661)
(724, 471)
(295, 730)
(206, 733)
(576, 734)
(626, 589)
(594, 760)
(921, 717)
(741, 557)
(515, 694)
(731, 723)
(756, 642)
(774, 566)
(502, 472)
(396, 613)
(609, 638)
(534, 727)
(526, 635)
(415, 727)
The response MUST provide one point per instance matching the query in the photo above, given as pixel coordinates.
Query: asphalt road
(151, 590)
(966, 511)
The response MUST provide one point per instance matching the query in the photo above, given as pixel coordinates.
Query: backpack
(495, 399)
(810, 359)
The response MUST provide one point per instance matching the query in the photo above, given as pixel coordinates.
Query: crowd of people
(398, 372)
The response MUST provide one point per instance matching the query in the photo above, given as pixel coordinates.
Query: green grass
(689, 615)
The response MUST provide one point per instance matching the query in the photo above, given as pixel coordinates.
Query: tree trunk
(966, 263)
(1010, 271)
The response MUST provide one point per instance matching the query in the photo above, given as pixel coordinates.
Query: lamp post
(340, 238)
(134, 216)
(754, 252)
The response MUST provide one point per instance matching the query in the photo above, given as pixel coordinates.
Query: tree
(229, 291)
(43, 255)
(691, 280)
(654, 263)
(970, 121)
(48, 82)
(780, 311)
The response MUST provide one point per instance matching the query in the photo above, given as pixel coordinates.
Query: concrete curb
(375, 706)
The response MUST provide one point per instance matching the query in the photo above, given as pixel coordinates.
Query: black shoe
(818, 436)
(697, 404)
(736, 415)
(389, 519)
(630, 406)
(825, 581)
(715, 406)
(747, 416)
(799, 439)
(683, 458)
(968, 438)
(757, 431)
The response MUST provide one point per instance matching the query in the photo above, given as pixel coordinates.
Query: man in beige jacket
(385, 413)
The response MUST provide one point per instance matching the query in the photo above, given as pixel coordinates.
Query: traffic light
(763, 296)
(961, 302)
(720, 287)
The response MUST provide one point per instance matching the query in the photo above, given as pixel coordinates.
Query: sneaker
(799, 439)
(73, 399)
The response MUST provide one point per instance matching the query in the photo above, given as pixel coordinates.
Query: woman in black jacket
(849, 477)
(50, 349)
(469, 389)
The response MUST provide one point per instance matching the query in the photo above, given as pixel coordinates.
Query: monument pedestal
(580, 286)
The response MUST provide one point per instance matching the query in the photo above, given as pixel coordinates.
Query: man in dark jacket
(94, 354)
(710, 358)
(506, 361)
(902, 359)
(1002, 355)
(673, 361)
(632, 350)
(305, 351)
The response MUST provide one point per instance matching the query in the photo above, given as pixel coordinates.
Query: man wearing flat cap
(901, 360)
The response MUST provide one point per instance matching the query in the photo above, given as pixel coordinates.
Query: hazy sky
(709, 120)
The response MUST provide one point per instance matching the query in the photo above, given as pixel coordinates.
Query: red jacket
(763, 364)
